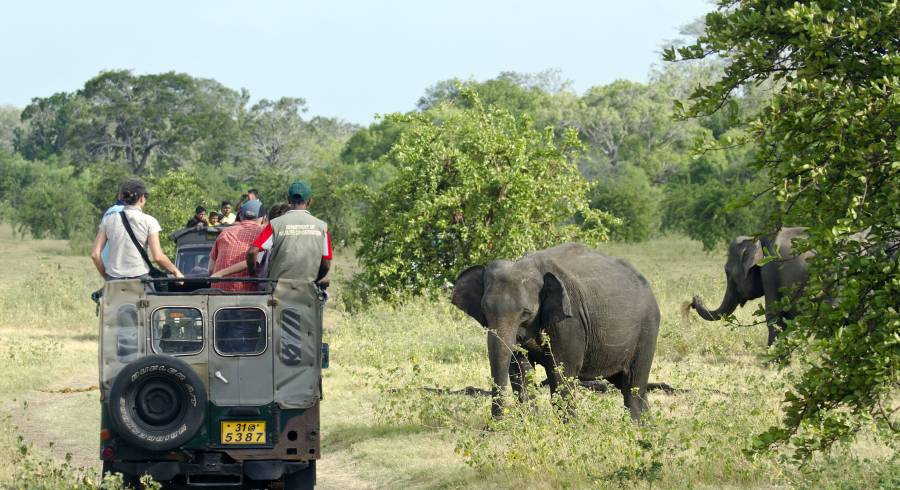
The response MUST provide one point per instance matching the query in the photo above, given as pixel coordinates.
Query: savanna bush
(625, 192)
(473, 184)
(173, 198)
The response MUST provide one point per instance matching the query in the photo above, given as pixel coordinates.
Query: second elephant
(747, 280)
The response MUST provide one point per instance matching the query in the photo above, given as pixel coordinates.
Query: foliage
(9, 122)
(828, 143)
(372, 143)
(45, 199)
(173, 198)
(16, 174)
(134, 119)
(46, 127)
(511, 91)
(629, 122)
(51, 205)
(625, 192)
(275, 130)
(120, 123)
(481, 184)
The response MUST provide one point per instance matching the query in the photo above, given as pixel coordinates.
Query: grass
(382, 429)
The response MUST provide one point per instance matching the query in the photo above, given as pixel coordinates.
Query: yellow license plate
(243, 432)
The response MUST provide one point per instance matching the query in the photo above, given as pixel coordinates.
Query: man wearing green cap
(298, 241)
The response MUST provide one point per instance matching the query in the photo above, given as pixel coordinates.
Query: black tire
(157, 403)
(302, 480)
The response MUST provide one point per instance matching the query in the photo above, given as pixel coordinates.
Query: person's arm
(324, 267)
(159, 256)
(262, 242)
(231, 269)
(325, 263)
(251, 259)
(97, 251)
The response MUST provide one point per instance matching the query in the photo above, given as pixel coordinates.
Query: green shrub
(173, 197)
(474, 185)
(626, 193)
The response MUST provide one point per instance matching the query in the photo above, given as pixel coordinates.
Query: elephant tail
(686, 310)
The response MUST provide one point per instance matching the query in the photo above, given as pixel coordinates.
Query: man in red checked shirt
(298, 241)
(228, 253)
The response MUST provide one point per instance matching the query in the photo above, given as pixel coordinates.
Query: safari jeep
(205, 388)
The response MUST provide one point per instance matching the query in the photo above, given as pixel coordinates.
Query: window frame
(215, 336)
(153, 339)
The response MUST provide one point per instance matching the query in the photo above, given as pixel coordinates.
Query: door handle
(219, 375)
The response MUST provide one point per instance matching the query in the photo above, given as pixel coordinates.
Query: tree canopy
(827, 142)
(475, 185)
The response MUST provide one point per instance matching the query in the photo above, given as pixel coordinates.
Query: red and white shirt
(266, 239)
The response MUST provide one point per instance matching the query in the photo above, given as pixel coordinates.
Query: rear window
(240, 331)
(193, 261)
(177, 331)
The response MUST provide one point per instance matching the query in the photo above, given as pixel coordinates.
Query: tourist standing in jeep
(130, 233)
(298, 241)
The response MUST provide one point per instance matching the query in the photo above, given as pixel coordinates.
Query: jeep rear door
(240, 353)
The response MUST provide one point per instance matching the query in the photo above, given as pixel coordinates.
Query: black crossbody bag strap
(127, 225)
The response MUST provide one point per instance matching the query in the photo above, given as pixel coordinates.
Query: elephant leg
(774, 320)
(559, 378)
(620, 381)
(519, 367)
(634, 383)
(639, 402)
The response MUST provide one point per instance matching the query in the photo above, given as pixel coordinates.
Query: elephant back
(611, 300)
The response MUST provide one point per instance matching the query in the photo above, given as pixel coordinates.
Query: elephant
(599, 313)
(747, 280)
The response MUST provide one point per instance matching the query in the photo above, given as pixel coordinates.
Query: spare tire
(157, 403)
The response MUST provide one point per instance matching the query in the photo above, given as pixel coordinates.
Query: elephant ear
(467, 293)
(555, 304)
(751, 254)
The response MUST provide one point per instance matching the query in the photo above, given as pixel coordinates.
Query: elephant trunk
(500, 346)
(731, 301)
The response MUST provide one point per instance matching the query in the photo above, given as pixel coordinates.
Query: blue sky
(349, 59)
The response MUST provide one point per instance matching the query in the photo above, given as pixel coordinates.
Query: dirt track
(65, 418)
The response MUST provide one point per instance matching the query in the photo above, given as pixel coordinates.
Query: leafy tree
(173, 198)
(47, 199)
(46, 127)
(828, 143)
(53, 205)
(626, 192)
(480, 184)
(514, 92)
(276, 130)
(16, 174)
(9, 122)
(370, 144)
(102, 182)
(134, 119)
(628, 122)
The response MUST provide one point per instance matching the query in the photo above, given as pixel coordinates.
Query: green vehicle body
(252, 357)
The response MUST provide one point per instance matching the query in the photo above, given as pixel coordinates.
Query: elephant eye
(526, 314)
